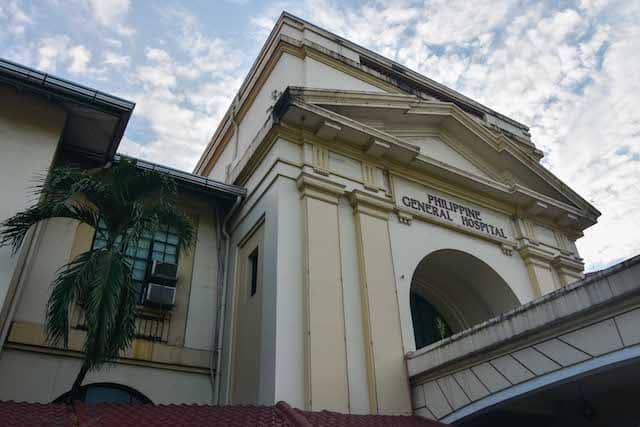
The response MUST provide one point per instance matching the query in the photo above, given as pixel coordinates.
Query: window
(107, 393)
(253, 279)
(162, 246)
(428, 325)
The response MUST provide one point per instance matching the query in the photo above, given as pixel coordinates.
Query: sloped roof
(96, 120)
(18, 414)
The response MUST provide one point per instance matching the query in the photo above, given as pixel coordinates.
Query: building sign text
(447, 210)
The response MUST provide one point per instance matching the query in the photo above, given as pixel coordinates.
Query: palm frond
(105, 289)
(14, 229)
(66, 289)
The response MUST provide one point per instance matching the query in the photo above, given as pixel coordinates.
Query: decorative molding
(319, 188)
(320, 160)
(369, 177)
(371, 205)
(328, 130)
(507, 249)
(404, 217)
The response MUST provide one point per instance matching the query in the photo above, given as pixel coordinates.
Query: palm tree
(130, 203)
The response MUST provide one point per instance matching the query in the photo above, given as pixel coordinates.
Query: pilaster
(389, 391)
(569, 270)
(539, 268)
(326, 380)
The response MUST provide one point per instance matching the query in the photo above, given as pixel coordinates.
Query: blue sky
(568, 69)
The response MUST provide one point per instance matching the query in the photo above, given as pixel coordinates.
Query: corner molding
(319, 188)
(371, 205)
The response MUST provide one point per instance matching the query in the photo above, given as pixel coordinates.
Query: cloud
(59, 50)
(16, 19)
(111, 14)
(80, 57)
(116, 60)
(183, 93)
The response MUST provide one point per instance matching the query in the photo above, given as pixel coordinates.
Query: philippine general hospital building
(369, 241)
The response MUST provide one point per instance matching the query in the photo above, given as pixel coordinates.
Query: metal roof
(82, 132)
(195, 182)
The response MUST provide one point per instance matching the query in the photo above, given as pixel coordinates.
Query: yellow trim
(298, 52)
(33, 336)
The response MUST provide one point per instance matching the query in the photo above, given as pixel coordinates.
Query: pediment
(450, 153)
(439, 138)
(460, 143)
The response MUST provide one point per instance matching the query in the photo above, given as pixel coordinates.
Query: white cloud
(80, 57)
(157, 55)
(116, 60)
(59, 50)
(183, 93)
(15, 17)
(446, 21)
(50, 51)
(112, 14)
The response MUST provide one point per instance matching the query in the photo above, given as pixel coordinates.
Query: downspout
(216, 354)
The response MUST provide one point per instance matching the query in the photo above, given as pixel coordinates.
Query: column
(387, 374)
(325, 347)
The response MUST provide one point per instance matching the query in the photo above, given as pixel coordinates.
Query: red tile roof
(14, 414)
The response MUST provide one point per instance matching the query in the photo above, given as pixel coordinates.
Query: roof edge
(50, 85)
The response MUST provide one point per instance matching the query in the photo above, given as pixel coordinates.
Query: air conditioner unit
(160, 295)
(165, 272)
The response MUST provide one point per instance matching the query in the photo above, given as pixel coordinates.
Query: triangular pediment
(442, 136)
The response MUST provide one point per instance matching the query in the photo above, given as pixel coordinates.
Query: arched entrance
(452, 290)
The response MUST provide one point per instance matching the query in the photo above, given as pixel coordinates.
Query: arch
(462, 289)
(106, 393)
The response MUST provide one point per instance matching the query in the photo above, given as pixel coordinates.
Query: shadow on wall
(452, 290)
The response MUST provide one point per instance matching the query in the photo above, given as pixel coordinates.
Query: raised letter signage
(431, 204)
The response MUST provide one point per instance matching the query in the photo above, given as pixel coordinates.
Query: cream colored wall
(326, 354)
(354, 329)
(201, 315)
(322, 76)
(258, 208)
(388, 382)
(30, 129)
(248, 308)
(53, 252)
(289, 363)
(37, 377)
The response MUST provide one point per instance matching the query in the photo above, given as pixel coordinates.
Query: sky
(568, 69)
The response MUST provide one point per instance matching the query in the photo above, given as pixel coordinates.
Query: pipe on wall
(221, 296)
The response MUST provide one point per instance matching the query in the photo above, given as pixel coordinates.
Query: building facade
(372, 190)
(385, 215)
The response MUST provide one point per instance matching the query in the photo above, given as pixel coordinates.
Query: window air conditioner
(160, 295)
(164, 272)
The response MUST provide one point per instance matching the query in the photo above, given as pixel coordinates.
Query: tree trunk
(77, 384)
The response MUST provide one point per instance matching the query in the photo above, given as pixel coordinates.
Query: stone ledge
(32, 336)
(607, 287)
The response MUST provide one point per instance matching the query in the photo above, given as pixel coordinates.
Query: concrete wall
(37, 377)
(289, 70)
(30, 129)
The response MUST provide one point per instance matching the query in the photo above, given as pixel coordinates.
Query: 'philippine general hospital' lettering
(442, 208)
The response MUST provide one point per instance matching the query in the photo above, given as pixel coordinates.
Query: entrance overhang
(582, 328)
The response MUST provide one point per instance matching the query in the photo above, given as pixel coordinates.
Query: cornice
(369, 204)
(319, 188)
